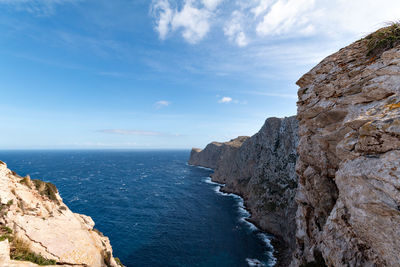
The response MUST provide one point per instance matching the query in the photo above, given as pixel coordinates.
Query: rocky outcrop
(210, 156)
(36, 224)
(262, 170)
(349, 160)
(348, 167)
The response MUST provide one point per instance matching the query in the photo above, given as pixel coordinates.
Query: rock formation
(349, 159)
(262, 170)
(210, 156)
(348, 167)
(36, 225)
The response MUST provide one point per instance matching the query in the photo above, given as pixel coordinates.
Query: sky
(162, 74)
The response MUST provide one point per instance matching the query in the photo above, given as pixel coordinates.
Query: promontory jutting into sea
(164, 133)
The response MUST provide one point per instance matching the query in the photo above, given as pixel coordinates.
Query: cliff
(210, 156)
(37, 227)
(349, 167)
(262, 170)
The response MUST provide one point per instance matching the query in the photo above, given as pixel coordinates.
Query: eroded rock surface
(262, 170)
(36, 214)
(349, 160)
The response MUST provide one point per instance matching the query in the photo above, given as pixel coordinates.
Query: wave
(267, 241)
(209, 181)
(254, 263)
(244, 216)
(200, 167)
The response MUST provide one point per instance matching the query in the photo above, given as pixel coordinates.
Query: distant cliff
(37, 227)
(211, 155)
(261, 169)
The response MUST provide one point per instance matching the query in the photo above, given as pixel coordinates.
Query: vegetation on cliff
(20, 249)
(383, 39)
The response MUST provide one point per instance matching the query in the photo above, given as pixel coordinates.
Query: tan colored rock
(48, 225)
(210, 156)
(349, 178)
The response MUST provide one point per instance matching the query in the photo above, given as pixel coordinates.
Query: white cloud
(193, 19)
(161, 104)
(225, 100)
(234, 30)
(211, 4)
(324, 17)
(244, 22)
(193, 22)
(261, 7)
(164, 12)
(285, 15)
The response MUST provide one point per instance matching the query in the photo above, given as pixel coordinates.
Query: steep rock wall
(32, 212)
(210, 156)
(262, 170)
(349, 160)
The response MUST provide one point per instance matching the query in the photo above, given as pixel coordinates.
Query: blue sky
(164, 73)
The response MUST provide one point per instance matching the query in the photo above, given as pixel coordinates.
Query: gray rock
(262, 170)
(349, 192)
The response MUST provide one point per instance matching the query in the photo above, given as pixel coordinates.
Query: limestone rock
(209, 157)
(36, 214)
(349, 178)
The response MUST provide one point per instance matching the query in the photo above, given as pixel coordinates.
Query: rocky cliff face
(349, 160)
(36, 225)
(211, 155)
(262, 170)
(348, 167)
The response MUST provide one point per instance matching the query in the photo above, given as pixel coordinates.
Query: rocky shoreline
(251, 167)
(273, 241)
(279, 248)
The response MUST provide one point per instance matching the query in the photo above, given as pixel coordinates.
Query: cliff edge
(36, 227)
(261, 169)
(349, 151)
(347, 135)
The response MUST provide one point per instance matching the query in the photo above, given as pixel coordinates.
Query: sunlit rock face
(36, 215)
(349, 160)
(210, 156)
(262, 170)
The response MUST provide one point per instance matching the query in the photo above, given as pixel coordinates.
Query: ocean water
(156, 209)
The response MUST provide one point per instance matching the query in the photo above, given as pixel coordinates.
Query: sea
(156, 209)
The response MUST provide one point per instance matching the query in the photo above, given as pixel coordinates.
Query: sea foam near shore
(244, 216)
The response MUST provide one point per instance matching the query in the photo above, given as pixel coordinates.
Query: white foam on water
(75, 198)
(209, 181)
(245, 214)
(200, 167)
(254, 263)
(266, 239)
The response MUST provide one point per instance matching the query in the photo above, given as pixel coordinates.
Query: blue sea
(155, 208)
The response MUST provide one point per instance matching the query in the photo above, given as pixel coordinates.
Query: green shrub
(6, 233)
(119, 262)
(46, 189)
(383, 39)
(6, 229)
(10, 202)
(26, 181)
(20, 250)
